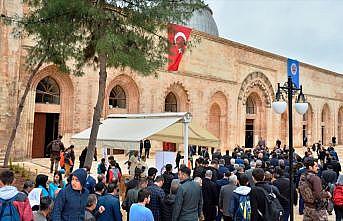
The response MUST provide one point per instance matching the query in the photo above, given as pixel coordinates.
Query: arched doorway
(325, 125)
(340, 125)
(214, 120)
(176, 98)
(255, 123)
(47, 115)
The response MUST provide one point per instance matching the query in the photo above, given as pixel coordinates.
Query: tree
(106, 34)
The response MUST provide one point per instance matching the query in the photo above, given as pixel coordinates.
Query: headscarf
(34, 197)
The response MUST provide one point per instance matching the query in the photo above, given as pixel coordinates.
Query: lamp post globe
(301, 108)
(279, 106)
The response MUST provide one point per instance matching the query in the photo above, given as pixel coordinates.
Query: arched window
(47, 91)
(170, 103)
(117, 97)
(250, 106)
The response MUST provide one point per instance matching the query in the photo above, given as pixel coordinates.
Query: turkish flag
(178, 36)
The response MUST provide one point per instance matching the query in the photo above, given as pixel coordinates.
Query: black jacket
(257, 199)
(168, 178)
(167, 207)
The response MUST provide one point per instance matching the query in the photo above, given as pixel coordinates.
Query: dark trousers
(339, 213)
(301, 205)
(227, 218)
(219, 215)
(210, 213)
(146, 153)
(285, 215)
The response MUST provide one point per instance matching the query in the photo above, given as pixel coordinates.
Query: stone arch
(66, 94)
(131, 92)
(340, 125)
(257, 80)
(181, 94)
(325, 124)
(218, 117)
(61, 113)
(307, 125)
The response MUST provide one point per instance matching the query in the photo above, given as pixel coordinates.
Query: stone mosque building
(227, 86)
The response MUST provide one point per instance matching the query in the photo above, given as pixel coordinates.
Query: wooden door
(38, 143)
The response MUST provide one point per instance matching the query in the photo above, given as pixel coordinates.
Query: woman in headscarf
(338, 198)
(34, 198)
(41, 182)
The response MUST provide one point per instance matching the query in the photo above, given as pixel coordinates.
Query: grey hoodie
(8, 192)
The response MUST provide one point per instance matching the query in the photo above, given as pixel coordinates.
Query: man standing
(54, 148)
(168, 178)
(188, 202)
(71, 202)
(147, 146)
(310, 187)
(210, 197)
(132, 196)
(156, 197)
(110, 202)
(225, 197)
(138, 211)
(45, 208)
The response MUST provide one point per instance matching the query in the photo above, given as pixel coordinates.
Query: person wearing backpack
(54, 148)
(14, 205)
(310, 187)
(240, 206)
(338, 198)
(264, 199)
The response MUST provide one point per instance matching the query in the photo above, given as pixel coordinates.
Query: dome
(202, 20)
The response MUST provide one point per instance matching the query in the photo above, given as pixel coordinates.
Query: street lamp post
(279, 107)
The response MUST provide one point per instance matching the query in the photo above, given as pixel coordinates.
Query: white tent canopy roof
(124, 131)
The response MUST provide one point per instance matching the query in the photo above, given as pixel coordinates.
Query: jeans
(285, 215)
(147, 151)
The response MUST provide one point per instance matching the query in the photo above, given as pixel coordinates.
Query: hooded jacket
(70, 204)
(167, 207)
(234, 202)
(21, 202)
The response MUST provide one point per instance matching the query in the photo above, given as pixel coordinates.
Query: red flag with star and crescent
(178, 37)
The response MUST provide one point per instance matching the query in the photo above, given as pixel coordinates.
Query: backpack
(244, 209)
(273, 208)
(8, 212)
(338, 195)
(55, 146)
(115, 173)
(305, 189)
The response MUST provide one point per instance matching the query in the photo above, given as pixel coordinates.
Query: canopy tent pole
(186, 121)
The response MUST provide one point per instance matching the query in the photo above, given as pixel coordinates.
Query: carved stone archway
(218, 117)
(257, 87)
(326, 125)
(131, 92)
(181, 94)
(64, 108)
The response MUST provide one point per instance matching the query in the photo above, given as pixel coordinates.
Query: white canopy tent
(124, 131)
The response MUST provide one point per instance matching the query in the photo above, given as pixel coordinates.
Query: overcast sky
(309, 31)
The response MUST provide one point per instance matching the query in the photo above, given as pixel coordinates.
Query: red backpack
(338, 195)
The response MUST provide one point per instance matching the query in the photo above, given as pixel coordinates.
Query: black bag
(273, 208)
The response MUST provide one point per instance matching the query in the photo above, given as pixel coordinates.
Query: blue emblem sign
(293, 71)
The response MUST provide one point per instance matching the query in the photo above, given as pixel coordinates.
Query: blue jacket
(112, 208)
(70, 204)
(90, 184)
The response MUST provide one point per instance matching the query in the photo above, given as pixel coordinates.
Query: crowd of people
(246, 184)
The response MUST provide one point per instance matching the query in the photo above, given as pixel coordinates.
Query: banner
(293, 71)
(178, 36)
